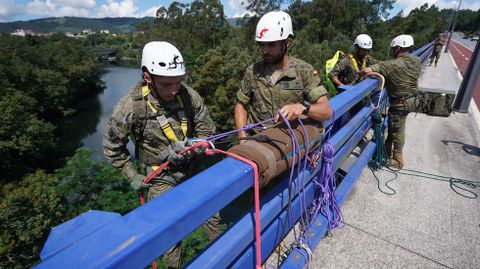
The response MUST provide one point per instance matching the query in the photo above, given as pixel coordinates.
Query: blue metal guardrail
(108, 240)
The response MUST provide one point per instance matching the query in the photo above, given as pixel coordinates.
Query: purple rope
(295, 146)
(325, 200)
(303, 201)
(245, 128)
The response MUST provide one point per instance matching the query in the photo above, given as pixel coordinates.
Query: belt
(401, 100)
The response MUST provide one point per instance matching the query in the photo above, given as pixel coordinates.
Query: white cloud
(238, 8)
(9, 9)
(74, 3)
(409, 5)
(59, 8)
(473, 5)
(125, 8)
(151, 12)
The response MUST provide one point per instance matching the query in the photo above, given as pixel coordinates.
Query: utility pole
(452, 27)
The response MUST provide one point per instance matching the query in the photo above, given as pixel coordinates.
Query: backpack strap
(186, 102)
(140, 117)
(355, 63)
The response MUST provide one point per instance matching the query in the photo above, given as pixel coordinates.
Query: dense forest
(42, 79)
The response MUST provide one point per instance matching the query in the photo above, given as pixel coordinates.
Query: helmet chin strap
(396, 51)
(284, 47)
(147, 77)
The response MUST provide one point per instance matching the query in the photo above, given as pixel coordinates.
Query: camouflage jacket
(345, 70)
(297, 83)
(438, 45)
(401, 75)
(153, 145)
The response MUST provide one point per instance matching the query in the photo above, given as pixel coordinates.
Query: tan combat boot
(396, 161)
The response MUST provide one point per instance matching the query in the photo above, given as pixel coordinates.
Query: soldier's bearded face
(167, 87)
(272, 52)
(362, 52)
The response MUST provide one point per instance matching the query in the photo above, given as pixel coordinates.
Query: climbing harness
(163, 121)
(355, 63)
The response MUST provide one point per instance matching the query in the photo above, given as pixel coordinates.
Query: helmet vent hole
(281, 31)
(153, 62)
(162, 64)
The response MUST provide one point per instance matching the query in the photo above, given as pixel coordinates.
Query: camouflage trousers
(435, 56)
(163, 183)
(397, 118)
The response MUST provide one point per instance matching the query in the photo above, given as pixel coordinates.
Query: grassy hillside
(74, 24)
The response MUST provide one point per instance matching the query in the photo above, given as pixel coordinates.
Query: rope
(325, 200)
(295, 147)
(463, 187)
(245, 128)
(380, 157)
(256, 189)
(306, 252)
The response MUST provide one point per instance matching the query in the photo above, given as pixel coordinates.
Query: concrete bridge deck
(425, 224)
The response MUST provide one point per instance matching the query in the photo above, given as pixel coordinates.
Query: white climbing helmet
(403, 41)
(273, 26)
(162, 59)
(363, 41)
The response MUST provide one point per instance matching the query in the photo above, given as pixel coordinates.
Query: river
(117, 81)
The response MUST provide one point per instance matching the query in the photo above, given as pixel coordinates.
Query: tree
(42, 80)
(87, 185)
(261, 7)
(29, 208)
(24, 138)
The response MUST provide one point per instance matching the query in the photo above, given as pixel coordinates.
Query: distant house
(105, 32)
(88, 32)
(69, 34)
(23, 32)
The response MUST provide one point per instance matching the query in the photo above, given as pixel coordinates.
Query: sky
(13, 10)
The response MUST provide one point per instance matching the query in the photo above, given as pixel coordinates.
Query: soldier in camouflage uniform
(279, 82)
(401, 80)
(437, 50)
(347, 70)
(160, 112)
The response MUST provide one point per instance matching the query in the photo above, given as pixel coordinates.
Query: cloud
(59, 8)
(409, 5)
(238, 8)
(151, 12)
(125, 8)
(471, 5)
(9, 9)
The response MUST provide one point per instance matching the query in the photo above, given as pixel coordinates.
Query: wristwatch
(307, 106)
